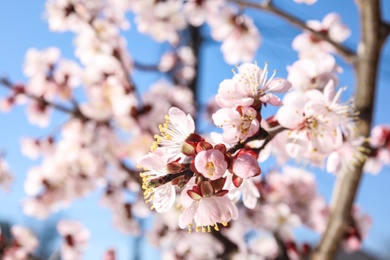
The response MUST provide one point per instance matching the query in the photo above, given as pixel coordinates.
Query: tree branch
(386, 29)
(230, 246)
(145, 67)
(283, 255)
(75, 112)
(366, 69)
(348, 54)
(9, 85)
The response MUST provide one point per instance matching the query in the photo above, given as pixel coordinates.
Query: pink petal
(245, 166)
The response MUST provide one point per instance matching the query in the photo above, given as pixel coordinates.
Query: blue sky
(22, 26)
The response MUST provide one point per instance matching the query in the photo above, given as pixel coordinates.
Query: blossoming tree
(144, 150)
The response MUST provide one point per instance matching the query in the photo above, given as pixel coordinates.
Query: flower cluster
(289, 199)
(164, 20)
(307, 44)
(182, 158)
(23, 244)
(319, 124)
(75, 238)
(241, 99)
(212, 177)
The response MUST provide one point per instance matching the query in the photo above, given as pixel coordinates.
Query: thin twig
(145, 67)
(8, 84)
(348, 54)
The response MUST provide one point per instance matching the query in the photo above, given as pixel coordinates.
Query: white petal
(250, 194)
(289, 117)
(188, 215)
(164, 197)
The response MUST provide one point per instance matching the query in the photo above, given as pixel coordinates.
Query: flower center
(245, 124)
(210, 168)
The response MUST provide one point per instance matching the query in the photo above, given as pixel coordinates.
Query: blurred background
(23, 26)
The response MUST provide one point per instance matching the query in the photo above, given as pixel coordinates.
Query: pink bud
(245, 166)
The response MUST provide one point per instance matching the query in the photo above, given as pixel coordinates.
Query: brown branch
(230, 246)
(386, 30)
(348, 54)
(135, 174)
(366, 69)
(145, 67)
(283, 255)
(271, 135)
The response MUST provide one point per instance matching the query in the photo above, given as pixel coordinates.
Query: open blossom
(40, 62)
(211, 163)
(124, 221)
(77, 172)
(162, 19)
(380, 143)
(149, 117)
(206, 206)
(174, 132)
(313, 73)
(357, 231)
(198, 246)
(71, 15)
(75, 239)
(177, 244)
(67, 73)
(155, 165)
(251, 87)
(238, 33)
(248, 192)
(297, 188)
(315, 120)
(238, 124)
(24, 244)
(38, 113)
(347, 155)
(263, 247)
(180, 64)
(197, 12)
(279, 218)
(309, 45)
